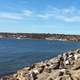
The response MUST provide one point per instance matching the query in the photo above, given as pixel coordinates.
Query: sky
(40, 16)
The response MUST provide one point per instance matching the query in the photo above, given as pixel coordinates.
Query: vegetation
(41, 36)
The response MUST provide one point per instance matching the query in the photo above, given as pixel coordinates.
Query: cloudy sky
(40, 16)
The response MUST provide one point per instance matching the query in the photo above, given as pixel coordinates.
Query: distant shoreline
(40, 36)
(50, 39)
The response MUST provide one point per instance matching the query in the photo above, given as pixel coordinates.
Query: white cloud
(45, 17)
(15, 16)
(69, 19)
(27, 13)
(71, 14)
(12, 16)
(67, 14)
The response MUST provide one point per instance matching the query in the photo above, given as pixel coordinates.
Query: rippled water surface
(15, 54)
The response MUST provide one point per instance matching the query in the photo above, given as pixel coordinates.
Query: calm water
(15, 54)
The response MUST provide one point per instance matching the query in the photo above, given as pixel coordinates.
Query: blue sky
(40, 16)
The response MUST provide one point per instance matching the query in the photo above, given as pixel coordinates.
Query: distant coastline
(61, 37)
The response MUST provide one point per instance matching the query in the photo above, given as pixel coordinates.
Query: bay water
(15, 54)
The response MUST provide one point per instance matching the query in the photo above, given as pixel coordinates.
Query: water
(15, 54)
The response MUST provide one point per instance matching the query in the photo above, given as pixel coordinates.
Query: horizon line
(38, 33)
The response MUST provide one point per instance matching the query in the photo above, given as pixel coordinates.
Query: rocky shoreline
(62, 67)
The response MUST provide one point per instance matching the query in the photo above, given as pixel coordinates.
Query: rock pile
(63, 67)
